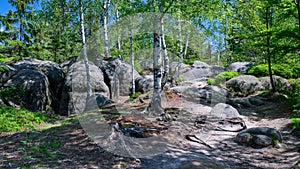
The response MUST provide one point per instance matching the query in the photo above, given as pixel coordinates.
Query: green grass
(296, 123)
(12, 119)
(134, 96)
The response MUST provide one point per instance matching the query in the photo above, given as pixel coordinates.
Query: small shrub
(222, 77)
(3, 68)
(296, 123)
(12, 119)
(134, 96)
(283, 70)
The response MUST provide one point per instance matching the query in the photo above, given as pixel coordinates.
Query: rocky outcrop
(96, 101)
(217, 70)
(33, 89)
(147, 64)
(198, 70)
(74, 93)
(259, 136)
(240, 66)
(223, 110)
(244, 85)
(117, 69)
(52, 70)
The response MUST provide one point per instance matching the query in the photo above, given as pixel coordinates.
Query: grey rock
(35, 85)
(187, 91)
(118, 69)
(262, 140)
(74, 93)
(281, 84)
(244, 85)
(198, 70)
(52, 70)
(240, 66)
(144, 84)
(271, 132)
(147, 64)
(223, 110)
(243, 138)
(213, 94)
(217, 70)
(96, 101)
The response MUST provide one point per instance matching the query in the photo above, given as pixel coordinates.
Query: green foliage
(12, 93)
(134, 96)
(294, 98)
(12, 119)
(3, 68)
(222, 77)
(283, 70)
(296, 123)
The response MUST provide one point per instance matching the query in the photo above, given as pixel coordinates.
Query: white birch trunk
(186, 45)
(106, 4)
(132, 57)
(86, 61)
(180, 41)
(164, 54)
(155, 105)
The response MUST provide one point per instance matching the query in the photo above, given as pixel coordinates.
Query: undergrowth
(12, 119)
(222, 77)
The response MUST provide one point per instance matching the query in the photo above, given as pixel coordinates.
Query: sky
(4, 7)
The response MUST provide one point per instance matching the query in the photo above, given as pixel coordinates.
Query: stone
(262, 140)
(217, 70)
(34, 89)
(223, 110)
(116, 68)
(243, 138)
(281, 84)
(54, 73)
(147, 64)
(259, 136)
(6, 72)
(187, 91)
(198, 70)
(74, 93)
(144, 84)
(96, 101)
(244, 85)
(240, 66)
(213, 94)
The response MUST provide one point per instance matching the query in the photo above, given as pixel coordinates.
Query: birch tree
(86, 61)
(106, 4)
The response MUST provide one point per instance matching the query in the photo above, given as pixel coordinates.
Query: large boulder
(147, 64)
(198, 70)
(74, 93)
(223, 110)
(217, 70)
(188, 92)
(116, 69)
(244, 85)
(281, 84)
(213, 94)
(54, 73)
(33, 86)
(144, 84)
(240, 66)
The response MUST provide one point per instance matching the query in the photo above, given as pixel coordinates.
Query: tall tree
(86, 61)
(106, 5)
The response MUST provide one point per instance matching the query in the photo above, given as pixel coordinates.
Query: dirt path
(68, 145)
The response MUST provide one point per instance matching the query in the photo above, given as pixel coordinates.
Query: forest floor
(65, 143)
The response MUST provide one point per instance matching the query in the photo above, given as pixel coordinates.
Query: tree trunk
(268, 50)
(119, 37)
(155, 105)
(165, 55)
(180, 41)
(132, 57)
(106, 4)
(86, 61)
(186, 45)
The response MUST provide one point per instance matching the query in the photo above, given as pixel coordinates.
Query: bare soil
(69, 146)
